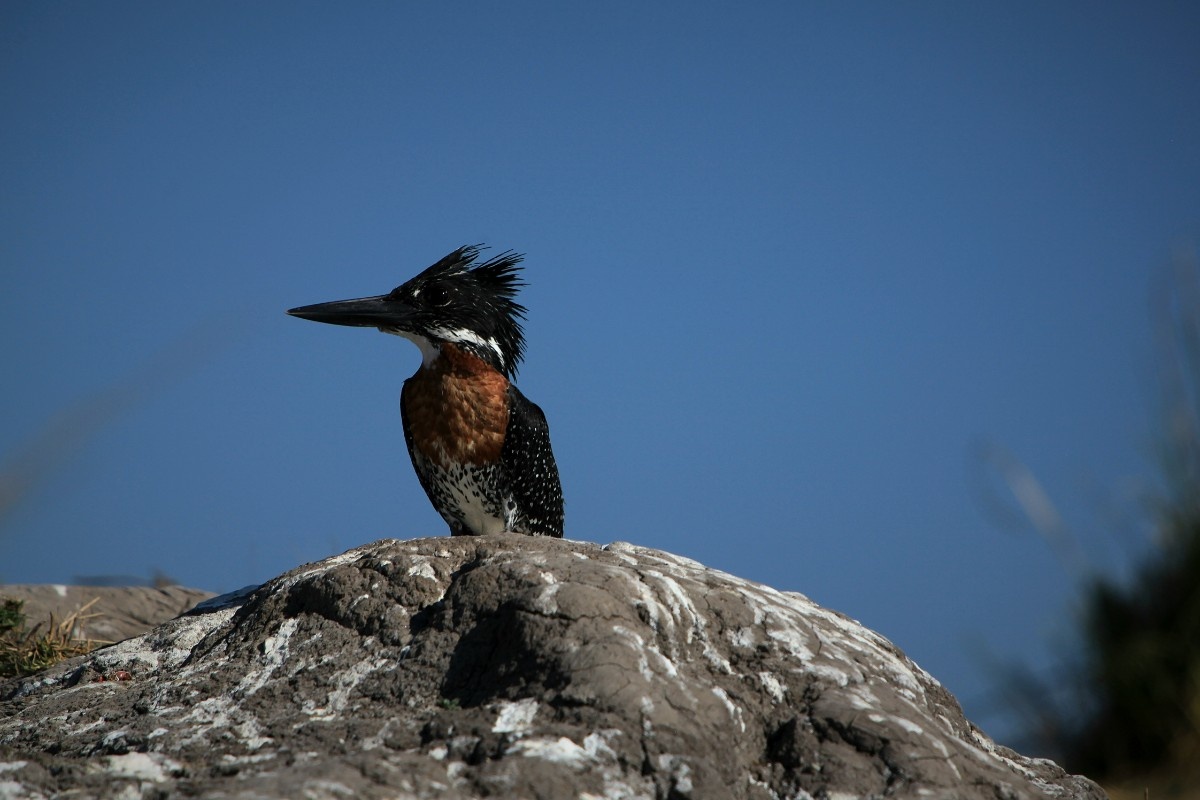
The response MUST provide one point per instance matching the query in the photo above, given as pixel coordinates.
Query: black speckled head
(455, 300)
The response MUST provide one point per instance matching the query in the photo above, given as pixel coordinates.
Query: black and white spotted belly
(472, 498)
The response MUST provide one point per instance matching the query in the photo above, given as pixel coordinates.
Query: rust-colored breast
(457, 409)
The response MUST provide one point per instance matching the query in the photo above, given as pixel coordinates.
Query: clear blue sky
(788, 264)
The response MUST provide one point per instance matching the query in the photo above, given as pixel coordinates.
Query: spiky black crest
(458, 295)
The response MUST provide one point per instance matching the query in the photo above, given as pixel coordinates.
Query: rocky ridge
(504, 666)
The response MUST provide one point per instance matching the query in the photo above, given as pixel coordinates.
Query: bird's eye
(436, 296)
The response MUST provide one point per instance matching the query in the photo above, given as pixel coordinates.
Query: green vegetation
(1142, 639)
(24, 650)
(1132, 720)
(1142, 644)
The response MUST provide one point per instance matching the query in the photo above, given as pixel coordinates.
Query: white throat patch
(461, 336)
(430, 351)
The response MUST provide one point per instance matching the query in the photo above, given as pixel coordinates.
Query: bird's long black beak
(365, 312)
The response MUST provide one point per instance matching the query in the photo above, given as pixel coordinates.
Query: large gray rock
(504, 666)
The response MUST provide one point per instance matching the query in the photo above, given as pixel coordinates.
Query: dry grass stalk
(24, 651)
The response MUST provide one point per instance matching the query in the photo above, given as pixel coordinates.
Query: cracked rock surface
(504, 666)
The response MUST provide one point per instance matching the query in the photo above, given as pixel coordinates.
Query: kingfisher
(480, 448)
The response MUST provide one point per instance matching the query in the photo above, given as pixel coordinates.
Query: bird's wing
(531, 471)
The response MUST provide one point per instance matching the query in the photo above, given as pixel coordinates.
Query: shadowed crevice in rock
(506, 666)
